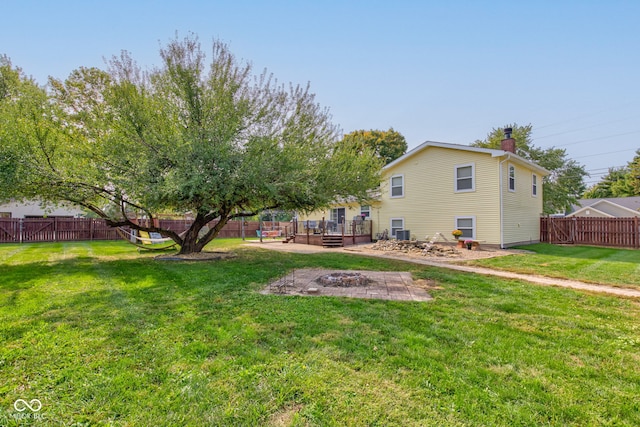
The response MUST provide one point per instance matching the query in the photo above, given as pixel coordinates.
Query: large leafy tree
(618, 182)
(563, 186)
(386, 144)
(634, 174)
(207, 137)
(610, 185)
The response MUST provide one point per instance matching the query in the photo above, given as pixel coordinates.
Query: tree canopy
(563, 186)
(618, 182)
(387, 145)
(206, 137)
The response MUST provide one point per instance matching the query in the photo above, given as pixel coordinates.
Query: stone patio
(389, 285)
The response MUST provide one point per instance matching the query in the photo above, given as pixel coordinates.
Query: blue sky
(446, 71)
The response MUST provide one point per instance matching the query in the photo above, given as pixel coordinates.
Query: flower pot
(460, 244)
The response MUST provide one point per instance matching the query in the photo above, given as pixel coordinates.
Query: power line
(586, 127)
(584, 116)
(607, 168)
(602, 154)
(597, 139)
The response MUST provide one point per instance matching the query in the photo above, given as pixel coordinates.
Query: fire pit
(343, 280)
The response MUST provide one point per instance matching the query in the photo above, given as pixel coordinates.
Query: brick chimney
(508, 143)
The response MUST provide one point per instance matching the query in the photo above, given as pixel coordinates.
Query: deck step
(329, 241)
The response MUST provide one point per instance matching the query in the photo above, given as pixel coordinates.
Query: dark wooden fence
(54, 229)
(614, 232)
(59, 229)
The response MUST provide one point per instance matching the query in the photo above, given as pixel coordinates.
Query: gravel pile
(415, 247)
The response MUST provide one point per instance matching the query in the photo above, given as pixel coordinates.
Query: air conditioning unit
(403, 235)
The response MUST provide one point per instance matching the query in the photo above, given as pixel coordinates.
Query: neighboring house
(614, 207)
(493, 196)
(33, 209)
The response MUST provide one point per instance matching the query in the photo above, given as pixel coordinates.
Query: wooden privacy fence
(60, 229)
(54, 229)
(615, 232)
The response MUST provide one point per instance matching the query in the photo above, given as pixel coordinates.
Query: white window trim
(534, 185)
(391, 225)
(391, 186)
(473, 224)
(509, 168)
(473, 178)
(367, 211)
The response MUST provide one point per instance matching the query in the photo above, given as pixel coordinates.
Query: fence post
(548, 221)
(353, 231)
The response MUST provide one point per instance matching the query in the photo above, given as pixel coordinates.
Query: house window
(512, 178)
(397, 186)
(465, 178)
(396, 224)
(534, 185)
(365, 211)
(5, 214)
(466, 224)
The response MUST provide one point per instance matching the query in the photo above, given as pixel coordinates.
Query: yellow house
(493, 196)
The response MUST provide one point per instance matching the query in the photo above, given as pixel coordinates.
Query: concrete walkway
(539, 280)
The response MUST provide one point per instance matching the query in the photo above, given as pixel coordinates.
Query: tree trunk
(190, 240)
(191, 243)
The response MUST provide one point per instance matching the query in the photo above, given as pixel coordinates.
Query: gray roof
(632, 203)
(493, 152)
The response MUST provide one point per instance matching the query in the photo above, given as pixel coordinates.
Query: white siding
(33, 208)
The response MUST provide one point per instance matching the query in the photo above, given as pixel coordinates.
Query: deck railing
(352, 232)
(324, 227)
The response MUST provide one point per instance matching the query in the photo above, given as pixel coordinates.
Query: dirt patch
(428, 284)
(285, 417)
(198, 256)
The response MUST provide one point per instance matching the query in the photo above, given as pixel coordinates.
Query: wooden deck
(332, 235)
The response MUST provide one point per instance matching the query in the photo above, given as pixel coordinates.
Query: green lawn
(103, 335)
(617, 267)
